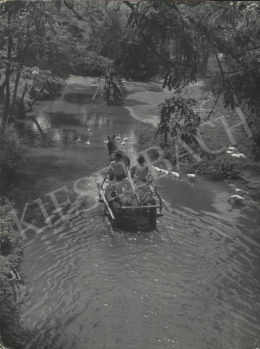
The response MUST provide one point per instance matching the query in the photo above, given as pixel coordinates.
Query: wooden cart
(119, 213)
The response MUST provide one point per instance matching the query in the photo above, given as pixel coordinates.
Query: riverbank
(12, 160)
(142, 101)
(12, 286)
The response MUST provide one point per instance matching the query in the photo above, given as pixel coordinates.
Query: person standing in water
(140, 171)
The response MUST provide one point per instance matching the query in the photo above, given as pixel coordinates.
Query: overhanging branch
(70, 7)
(172, 63)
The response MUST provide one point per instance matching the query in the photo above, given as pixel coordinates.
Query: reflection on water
(192, 283)
(61, 129)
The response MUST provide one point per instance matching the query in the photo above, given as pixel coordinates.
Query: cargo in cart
(132, 204)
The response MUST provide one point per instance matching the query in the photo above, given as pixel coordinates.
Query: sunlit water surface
(192, 283)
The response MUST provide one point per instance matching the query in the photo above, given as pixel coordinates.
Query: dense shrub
(217, 167)
(53, 84)
(254, 124)
(12, 332)
(9, 238)
(223, 166)
(220, 167)
(10, 256)
(10, 155)
(114, 89)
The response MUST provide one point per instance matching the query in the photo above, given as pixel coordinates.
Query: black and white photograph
(129, 174)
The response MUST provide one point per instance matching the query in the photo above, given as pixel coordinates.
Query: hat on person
(141, 159)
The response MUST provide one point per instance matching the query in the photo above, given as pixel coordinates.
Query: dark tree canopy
(182, 35)
(137, 39)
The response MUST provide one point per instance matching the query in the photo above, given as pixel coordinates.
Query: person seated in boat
(117, 168)
(140, 171)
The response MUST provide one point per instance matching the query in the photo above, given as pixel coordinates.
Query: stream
(192, 283)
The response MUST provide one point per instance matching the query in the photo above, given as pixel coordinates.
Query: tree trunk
(2, 87)
(37, 97)
(15, 92)
(19, 71)
(204, 63)
(95, 94)
(24, 92)
(37, 125)
(7, 77)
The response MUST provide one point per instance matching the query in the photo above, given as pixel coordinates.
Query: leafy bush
(217, 167)
(53, 83)
(114, 88)
(91, 65)
(12, 332)
(254, 124)
(9, 238)
(10, 256)
(10, 153)
(220, 167)
(177, 118)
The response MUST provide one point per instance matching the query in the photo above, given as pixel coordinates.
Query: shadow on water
(191, 283)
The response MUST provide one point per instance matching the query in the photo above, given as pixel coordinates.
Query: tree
(193, 31)
(44, 35)
(23, 23)
(113, 88)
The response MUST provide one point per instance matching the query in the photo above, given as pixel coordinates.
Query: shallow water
(192, 283)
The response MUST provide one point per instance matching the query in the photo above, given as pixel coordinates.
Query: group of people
(120, 164)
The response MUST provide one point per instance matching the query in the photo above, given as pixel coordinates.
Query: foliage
(114, 88)
(123, 45)
(253, 121)
(177, 118)
(238, 41)
(9, 239)
(12, 332)
(24, 26)
(67, 49)
(134, 58)
(44, 29)
(223, 166)
(220, 167)
(35, 81)
(92, 64)
(10, 256)
(217, 167)
(10, 153)
(33, 87)
(127, 196)
(182, 34)
(162, 27)
(109, 35)
(53, 36)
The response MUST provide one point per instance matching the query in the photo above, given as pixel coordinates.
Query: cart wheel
(153, 216)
